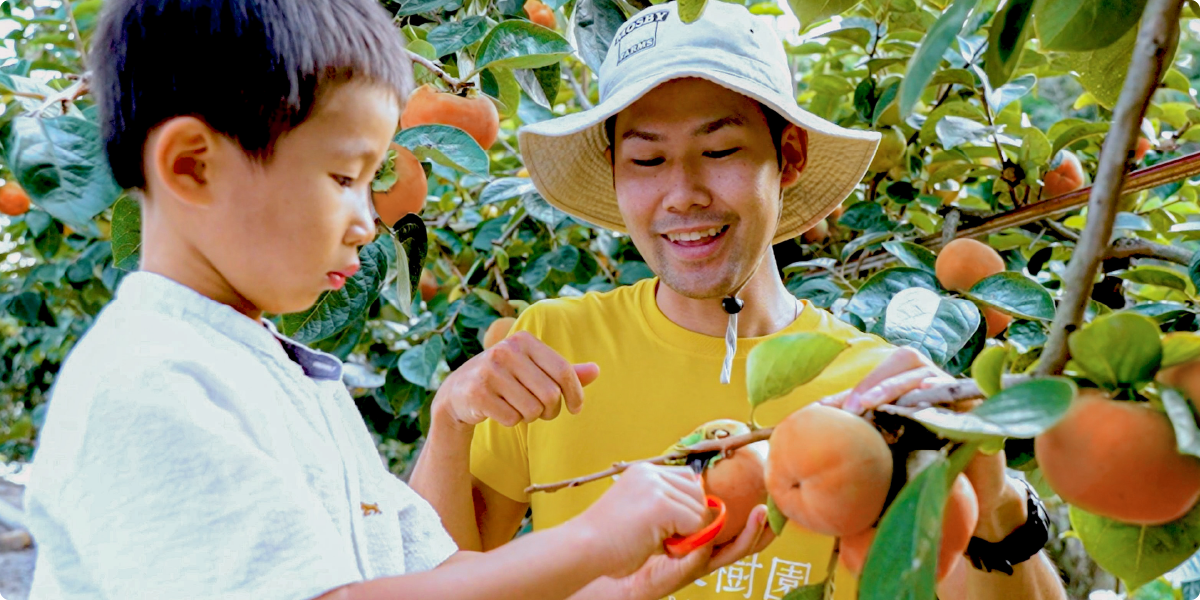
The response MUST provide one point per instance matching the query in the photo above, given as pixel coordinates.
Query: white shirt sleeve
(169, 495)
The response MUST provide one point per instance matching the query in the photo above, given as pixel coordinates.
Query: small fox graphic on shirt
(370, 509)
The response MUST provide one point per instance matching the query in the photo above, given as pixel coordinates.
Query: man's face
(291, 229)
(698, 184)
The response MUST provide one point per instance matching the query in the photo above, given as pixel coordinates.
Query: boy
(192, 452)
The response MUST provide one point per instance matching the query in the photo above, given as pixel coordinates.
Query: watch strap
(1019, 546)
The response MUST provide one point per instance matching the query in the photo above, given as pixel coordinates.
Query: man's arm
(497, 516)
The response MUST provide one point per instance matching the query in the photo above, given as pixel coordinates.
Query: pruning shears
(678, 546)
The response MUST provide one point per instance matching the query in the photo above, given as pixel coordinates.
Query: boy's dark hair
(251, 69)
(776, 123)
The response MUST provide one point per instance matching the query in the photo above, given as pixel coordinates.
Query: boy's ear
(793, 146)
(181, 157)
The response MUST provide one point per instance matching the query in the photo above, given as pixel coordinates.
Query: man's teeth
(692, 236)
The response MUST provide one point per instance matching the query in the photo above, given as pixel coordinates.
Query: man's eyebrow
(641, 135)
(731, 120)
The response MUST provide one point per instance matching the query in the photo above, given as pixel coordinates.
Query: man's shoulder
(598, 306)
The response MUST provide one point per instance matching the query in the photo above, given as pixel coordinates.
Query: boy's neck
(169, 253)
(769, 307)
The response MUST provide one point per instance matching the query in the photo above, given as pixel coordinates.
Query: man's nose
(686, 188)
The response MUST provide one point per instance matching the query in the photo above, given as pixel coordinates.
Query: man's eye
(721, 153)
(652, 162)
(343, 181)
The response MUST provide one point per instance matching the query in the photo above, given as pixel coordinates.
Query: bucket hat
(727, 46)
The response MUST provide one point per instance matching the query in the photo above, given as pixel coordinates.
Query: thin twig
(75, 31)
(498, 242)
(455, 84)
(1062, 230)
(950, 225)
(1160, 23)
(70, 94)
(960, 390)
(580, 95)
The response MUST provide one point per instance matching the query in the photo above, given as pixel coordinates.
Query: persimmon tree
(1061, 134)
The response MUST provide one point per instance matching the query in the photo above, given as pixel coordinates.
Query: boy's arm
(614, 537)
(518, 380)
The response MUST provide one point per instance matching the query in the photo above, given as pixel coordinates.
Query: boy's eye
(650, 162)
(721, 153)
(343, 181)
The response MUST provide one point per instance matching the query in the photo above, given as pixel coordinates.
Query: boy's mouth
(337, 279)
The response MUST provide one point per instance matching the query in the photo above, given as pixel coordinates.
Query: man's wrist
(1009, 513)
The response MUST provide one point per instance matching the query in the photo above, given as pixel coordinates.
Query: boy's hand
(661, 575)
(645, 506)
(520, 379)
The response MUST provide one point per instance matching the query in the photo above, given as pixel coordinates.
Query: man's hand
(518, 380)
(1001, 500)
(645, 506)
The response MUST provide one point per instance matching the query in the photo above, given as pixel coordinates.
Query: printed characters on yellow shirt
(658, 381)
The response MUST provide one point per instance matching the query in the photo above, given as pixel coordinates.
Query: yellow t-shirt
(657, 382)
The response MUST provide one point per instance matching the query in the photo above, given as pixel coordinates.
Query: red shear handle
(678, 546)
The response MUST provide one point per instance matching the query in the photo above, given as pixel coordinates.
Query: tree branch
(1137, 247)
(949, 393)
(1160, 23)
(455, 85)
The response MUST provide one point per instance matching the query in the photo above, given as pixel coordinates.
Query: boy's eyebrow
(357, 148)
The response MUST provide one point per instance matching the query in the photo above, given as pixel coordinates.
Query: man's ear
(793, 146)
(181, 157)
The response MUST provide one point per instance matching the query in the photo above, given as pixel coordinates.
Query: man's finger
(889, 390)
(558, 369)
(902, 360)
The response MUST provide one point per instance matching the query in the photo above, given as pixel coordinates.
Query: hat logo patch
(639, 34)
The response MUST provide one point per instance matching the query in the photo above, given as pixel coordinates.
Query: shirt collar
(153, 292)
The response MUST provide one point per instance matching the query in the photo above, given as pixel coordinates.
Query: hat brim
(565, 156)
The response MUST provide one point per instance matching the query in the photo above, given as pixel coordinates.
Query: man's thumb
(587, 372)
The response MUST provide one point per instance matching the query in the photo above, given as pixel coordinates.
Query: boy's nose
(362, 228)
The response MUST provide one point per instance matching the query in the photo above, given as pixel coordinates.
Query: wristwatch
(1022, 544)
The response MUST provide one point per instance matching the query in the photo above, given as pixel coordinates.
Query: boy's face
(283, 232)
(696, 160)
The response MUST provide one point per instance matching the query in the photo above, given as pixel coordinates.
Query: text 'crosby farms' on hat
(728, 46)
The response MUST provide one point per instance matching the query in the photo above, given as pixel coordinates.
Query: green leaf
(451, 37)
(775, 518)
(812, 11)
(1035, 150)
(988, 369)
(503, 189)
(60, 162)
(417, 364)
(1137, 554)
(1117, 349)
(1158, 276)
(446, 145)
(912, 255)
(502, 85)
(902, 561)
(1006, 40)
(423, 7)
(1180, 347)
(690, 10)
(336, 309)
(1194, 269)
(953, 131)
(412, 243)
(873, 297)
(1080, 25)
(1022, 411)
(1183, 421)
(1015, 294)
(781, 364)
(126, 233)
(815, 591)
(519, 44)
(1078, 132)
(929, 55)
(1102, 72)
(922, 318)
(596, 23)
(1008, 93)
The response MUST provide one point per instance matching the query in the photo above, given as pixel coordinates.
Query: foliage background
(495, 246)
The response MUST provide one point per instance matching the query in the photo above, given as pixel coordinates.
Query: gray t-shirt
(191, 452)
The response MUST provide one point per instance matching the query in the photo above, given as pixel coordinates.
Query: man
(698, 151)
